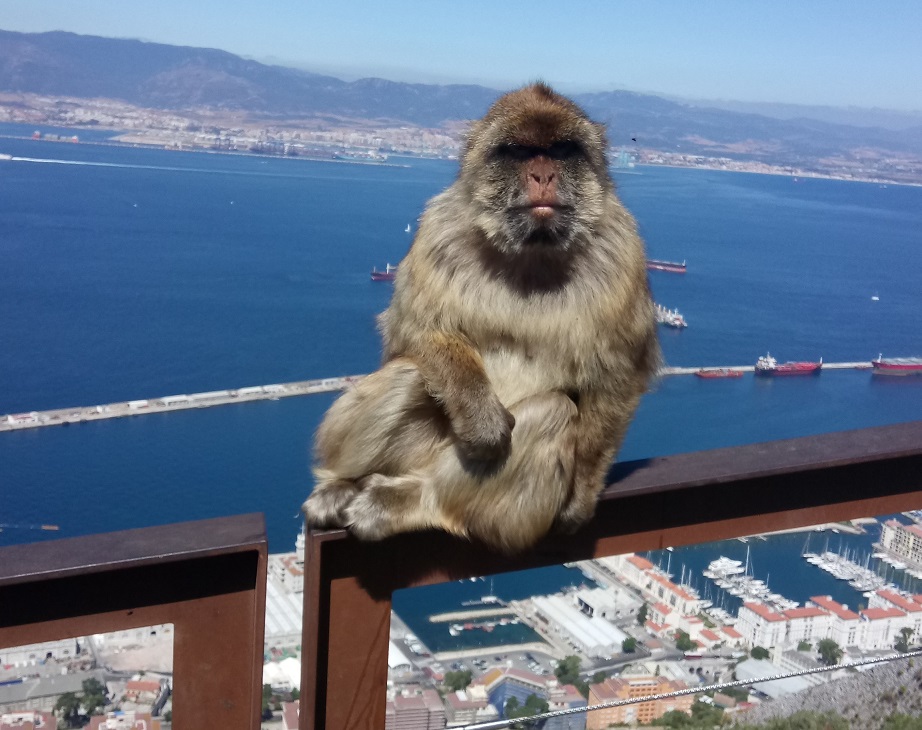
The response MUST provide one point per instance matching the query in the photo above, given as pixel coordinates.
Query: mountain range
(184, 79)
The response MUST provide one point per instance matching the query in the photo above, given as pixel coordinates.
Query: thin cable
(497, 724)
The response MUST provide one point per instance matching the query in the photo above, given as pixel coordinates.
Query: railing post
(207, 578)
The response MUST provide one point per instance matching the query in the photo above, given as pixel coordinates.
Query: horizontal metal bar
(654, 503)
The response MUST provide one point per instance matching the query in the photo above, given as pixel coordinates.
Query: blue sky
(835, 52)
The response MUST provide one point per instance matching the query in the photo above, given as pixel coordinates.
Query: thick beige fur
(515, 352)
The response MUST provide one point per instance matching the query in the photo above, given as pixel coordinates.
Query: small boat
(389, 273)
(767, 365)
(897, 365)
(672, 266)
(719, 373)
(407, 229)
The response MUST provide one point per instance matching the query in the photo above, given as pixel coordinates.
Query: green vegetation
(902, 640)
(94, 696)
(567, 672)
(534, 705)
(703, 717)
(642, 615)
(759, 652)
(830, 652)
(683, 641)
(67, 708)
(804, 646)
(455, 681)
(629, 645)
(803, 720)
(902, 722)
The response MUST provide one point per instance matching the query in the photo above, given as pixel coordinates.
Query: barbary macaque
(518, 342)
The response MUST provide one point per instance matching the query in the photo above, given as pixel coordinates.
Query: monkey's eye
(564, 150)
(514, 152)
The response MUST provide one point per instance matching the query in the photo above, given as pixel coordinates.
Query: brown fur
(518, 342)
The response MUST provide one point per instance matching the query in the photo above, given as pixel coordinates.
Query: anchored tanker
(767, 365)
(897, 365)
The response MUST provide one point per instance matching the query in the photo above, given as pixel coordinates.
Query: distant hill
(183, 78)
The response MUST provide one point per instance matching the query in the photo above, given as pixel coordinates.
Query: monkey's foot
(326, 506)
(384, 506)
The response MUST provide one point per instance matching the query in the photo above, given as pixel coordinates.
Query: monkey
(518, 341)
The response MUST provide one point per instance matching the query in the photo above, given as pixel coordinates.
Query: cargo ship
(897, 365)
(387, 275)
(767, 365)
(719, 373)
(673, 266)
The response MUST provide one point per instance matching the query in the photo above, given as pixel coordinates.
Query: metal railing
(651, 504)
(207, 578)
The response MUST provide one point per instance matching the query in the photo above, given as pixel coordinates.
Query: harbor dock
(169, 403)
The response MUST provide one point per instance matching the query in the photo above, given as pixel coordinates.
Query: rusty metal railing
(651, 504)
(207, 578)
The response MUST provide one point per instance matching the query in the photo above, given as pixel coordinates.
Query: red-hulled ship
(673, 266)
(387, 275)
(719, 373)
(767, 365)
(897, 365)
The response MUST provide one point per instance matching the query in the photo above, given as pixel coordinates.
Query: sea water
(134, 273)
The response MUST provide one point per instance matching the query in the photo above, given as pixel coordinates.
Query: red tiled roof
(763, 611)
(908, 605)
(876, 614)
(834, 607)
(640, 562)
(805, 612)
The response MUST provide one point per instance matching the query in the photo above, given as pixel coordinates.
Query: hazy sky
(837, 52)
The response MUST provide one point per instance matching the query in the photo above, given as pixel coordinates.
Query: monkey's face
(536, 172)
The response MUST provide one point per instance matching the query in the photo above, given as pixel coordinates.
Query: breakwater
(164, 404)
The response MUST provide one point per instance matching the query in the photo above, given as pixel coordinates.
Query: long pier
(169, 403)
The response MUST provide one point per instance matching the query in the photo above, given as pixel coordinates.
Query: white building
(593, 636)
(808, 623)
(844, 624)
(760, 626)
(880, 627)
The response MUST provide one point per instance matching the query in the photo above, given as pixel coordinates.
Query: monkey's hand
(484, 429)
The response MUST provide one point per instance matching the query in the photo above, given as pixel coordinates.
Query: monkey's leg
(508, 510)
(387, 423)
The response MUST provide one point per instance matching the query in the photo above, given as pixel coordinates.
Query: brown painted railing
(676, 500)
(207, 578)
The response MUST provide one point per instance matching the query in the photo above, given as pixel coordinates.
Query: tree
(267, 698)
(902, 640)
(642, 615)
(67, 708)
(567, 670)
(804, 646)
(599, 677)
(683, 641)
(829, 652)
(534, 705)
(94, 695)
(455, 681)
(759, 652)
(629, 645)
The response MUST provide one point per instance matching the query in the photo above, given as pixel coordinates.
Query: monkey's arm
(603, 420)
(454, 374)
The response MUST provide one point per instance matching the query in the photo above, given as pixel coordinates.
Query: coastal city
(628, 629)
(369, 141)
